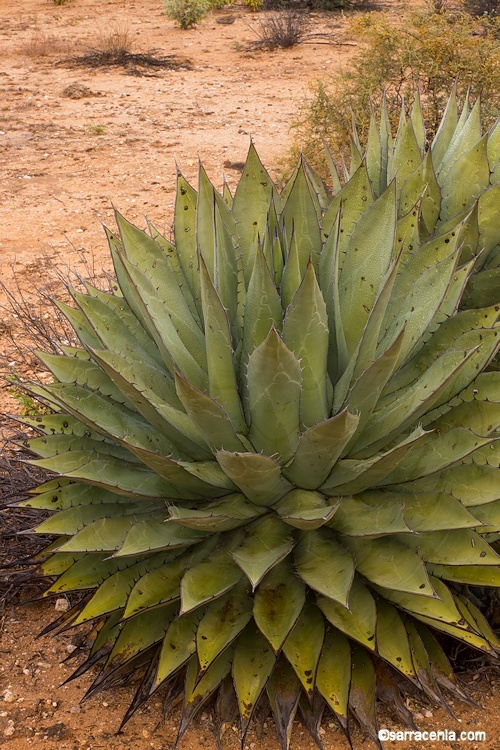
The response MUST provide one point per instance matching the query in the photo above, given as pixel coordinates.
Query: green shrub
(427, 52)
(301, 5)
(253, 5)
(28, 406)
(186, 13)
(219, 4)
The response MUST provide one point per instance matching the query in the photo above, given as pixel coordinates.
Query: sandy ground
(67, 161)
(74, 142)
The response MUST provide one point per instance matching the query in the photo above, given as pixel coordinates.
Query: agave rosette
(275, 450)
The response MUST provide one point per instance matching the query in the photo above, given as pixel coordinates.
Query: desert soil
(74, 142)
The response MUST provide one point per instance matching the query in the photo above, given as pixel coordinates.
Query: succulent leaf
(274, 381)
(222, 623)
(300, 220)
(278, 603)
(334, 674)
(306, 335)
(250, 207)
(362, 693)
(392, 640)
(358, 619)
(185, 236)
(324, 565)
(253, 664)
(318, 450)
(283, 691)
(303, 646)
(268, 542)
(221, 375)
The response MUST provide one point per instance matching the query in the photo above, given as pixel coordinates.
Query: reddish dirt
(66, 162)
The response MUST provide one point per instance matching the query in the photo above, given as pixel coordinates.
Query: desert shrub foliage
(425, 52)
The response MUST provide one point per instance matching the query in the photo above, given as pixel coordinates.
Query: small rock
(9, 696)
(428, 714)
(75, 710)
(321, 732)
(62, 605)
(55, 731)
(418, 716)
(78, 91)
(237, 166)
(10, 729)
(70, 648)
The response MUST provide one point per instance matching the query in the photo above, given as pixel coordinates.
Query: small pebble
(62, 605)
(75, 710)
(428, 714)
(418, 716)
(9, 696)
(70, 648)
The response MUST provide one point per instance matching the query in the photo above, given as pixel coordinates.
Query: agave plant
(275, 450)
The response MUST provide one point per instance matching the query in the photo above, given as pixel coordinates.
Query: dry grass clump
(282, 28)
(42, 44)
(115, 48)
(115, 41)
(16, 479)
